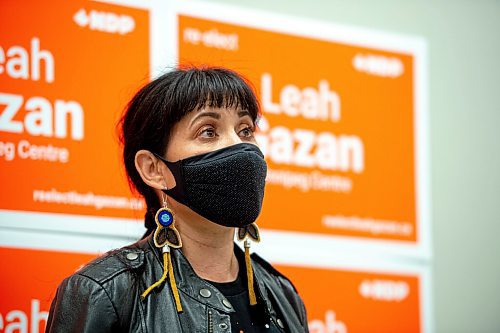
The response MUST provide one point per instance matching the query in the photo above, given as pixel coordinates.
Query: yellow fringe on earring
(166, 256)
(251, 291)
(167, 268)
(173, 286)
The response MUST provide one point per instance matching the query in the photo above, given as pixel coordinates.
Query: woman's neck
(208, 247)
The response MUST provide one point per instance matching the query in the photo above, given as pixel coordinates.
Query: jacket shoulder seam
(270, 269)
(93, 271)
(105, 291)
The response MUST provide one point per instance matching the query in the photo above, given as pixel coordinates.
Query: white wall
(464, 56)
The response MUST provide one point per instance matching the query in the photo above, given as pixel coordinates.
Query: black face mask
(225, 186)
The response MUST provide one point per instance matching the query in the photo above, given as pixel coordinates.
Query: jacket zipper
(210, 326)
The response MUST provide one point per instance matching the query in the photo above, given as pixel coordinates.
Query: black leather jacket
(104, 296)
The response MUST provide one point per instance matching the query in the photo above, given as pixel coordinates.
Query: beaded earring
(165, 237)
(250, 231)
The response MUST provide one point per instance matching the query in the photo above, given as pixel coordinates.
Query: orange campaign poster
(67, 69)
(358, 300)
(346, 300)
(28, 283)
(341, 126)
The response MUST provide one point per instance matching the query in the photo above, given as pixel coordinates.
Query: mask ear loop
(250, 231)
(166, 236)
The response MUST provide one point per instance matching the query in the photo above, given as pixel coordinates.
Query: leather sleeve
(81, 305)
(295, 300)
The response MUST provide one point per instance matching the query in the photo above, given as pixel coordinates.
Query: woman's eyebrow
(205, 114)
(244, 113)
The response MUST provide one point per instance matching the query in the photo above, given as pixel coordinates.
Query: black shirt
(246, 318)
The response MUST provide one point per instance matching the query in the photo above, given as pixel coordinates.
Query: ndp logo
(105, 21)
(378, 65)
(384, 290)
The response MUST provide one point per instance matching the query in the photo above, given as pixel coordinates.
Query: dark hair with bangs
(154, 110)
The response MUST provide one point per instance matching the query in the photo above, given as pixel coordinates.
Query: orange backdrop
(67, 69)
(28, 284)
(344, 301)
(337, 129)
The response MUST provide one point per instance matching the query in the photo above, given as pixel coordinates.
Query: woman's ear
(153, 171)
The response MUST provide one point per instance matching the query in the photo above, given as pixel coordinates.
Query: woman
(190, 151)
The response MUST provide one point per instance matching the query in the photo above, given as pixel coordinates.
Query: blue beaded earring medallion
(165, 217)
(166, 233)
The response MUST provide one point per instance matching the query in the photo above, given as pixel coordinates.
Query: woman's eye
(208, 133)
(247, 132)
